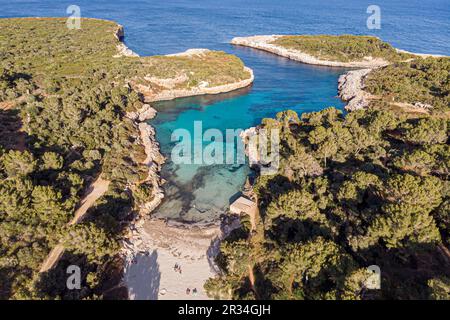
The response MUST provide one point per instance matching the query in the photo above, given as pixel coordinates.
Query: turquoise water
(199, 193)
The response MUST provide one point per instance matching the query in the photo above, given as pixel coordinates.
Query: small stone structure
(242, 205)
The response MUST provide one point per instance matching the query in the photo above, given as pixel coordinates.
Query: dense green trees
(424, 81)
(368, 188)
(439, 288)
(89, 240)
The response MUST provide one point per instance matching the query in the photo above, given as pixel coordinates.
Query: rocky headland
(168, 88)
(351, 84)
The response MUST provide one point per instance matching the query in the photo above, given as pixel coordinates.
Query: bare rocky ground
(153, 247)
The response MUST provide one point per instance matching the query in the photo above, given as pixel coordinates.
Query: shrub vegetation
(368, 188)
(342, 48)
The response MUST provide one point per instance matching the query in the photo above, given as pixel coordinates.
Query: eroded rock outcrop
(146, 112)
(154, 161)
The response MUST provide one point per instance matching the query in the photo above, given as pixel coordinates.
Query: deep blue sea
(199, 192)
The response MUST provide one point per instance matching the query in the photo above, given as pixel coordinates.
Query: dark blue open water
(198, 193)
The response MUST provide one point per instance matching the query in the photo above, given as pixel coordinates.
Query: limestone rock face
(122, 49)
(120, 33)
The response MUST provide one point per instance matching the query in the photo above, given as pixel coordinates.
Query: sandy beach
(156, 247)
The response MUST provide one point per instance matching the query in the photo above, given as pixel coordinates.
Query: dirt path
(445, 252)
(52, 258)
(95, 191)
(7, 105)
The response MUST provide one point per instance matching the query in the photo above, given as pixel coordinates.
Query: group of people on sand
(177, 268)
(194, 291)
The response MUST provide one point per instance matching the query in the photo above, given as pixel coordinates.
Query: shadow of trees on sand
(144, 277)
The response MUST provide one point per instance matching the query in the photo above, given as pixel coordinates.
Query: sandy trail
(95, 191)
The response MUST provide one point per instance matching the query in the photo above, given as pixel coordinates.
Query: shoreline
(151, 246)
(351, 89)
(154, 249)
(350, 84)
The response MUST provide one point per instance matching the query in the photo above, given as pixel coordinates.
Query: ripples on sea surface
(201, 193)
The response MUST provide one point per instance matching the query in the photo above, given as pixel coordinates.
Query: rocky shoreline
(156, 245)
(350, 88)
(202, 89)
(265, 43)
(122, 49)
(191, 245)
(169, 238)
(350, 84)
(154, 159)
